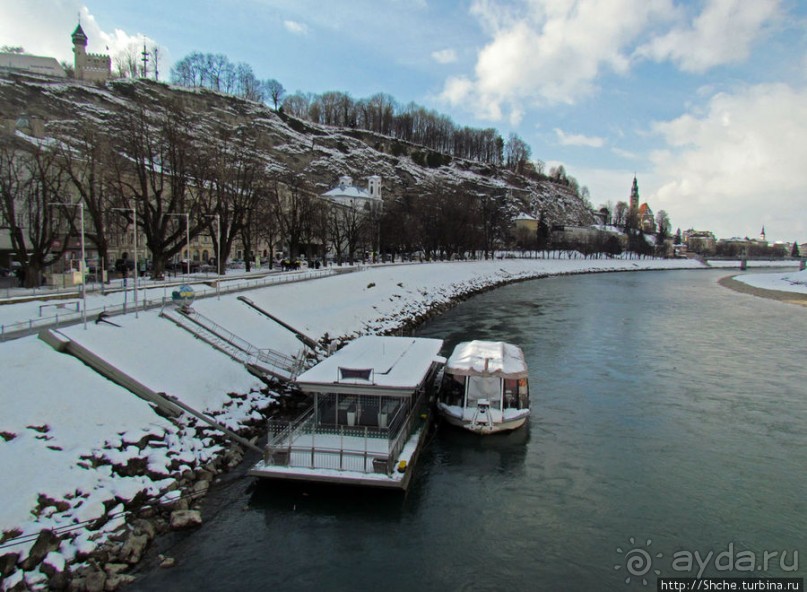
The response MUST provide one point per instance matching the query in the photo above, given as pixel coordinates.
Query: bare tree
(620, 214)
(82, 154)
(31, 184)
(292, 207)
(516, 153)
(127, 61)
(227, 177)
(662, 225)
(274, 91)
(151, 171)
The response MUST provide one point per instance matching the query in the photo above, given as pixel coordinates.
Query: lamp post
(80, 205)
(218, 251)
(187, 236)
(134, 240)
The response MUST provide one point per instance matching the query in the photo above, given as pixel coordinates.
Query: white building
(11, 62)
(355, 220)
(347, 194)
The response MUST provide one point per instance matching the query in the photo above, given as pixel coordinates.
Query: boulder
(46, 542)
(133, 548)
(94, 581)
(59, 581)
(55, 568)
(8, 564)
(200, 489)
(145, 527)
(116, 581)
(185, 519)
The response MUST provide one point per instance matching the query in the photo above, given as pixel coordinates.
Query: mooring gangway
(312, 343)
(264, 361)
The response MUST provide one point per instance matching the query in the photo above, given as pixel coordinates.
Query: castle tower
(91, 67)
(79, 50)
(634, 195)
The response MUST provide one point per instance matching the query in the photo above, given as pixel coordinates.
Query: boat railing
(280, 431)
(405, 428)
(304, 442)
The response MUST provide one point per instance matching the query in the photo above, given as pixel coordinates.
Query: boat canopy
(487, 358)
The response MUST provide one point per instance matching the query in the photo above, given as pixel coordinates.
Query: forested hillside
(164, 150)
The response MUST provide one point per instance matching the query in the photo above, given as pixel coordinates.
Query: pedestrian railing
(154, 297)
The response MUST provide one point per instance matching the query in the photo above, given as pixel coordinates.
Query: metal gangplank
(261, 362)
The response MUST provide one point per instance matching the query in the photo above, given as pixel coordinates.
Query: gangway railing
(267, 360)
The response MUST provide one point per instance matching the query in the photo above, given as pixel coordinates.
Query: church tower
(762, 235)
(374, 187)
(634, 195)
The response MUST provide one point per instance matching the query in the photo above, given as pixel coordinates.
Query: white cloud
(296, 27)
(578, 139)
(550, 51)
(739, 163)
(444, 56)
(722, 33)
(626, 154)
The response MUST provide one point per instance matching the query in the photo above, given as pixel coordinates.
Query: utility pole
(156, 70)
(145, 55)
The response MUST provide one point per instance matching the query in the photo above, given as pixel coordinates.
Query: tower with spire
(634, 195)
(89, 66)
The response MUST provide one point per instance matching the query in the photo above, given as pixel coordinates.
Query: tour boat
(368, 417)
(485, 387)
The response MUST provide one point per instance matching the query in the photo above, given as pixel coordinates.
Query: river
(667, 423)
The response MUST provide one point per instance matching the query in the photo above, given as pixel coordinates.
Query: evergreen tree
(794, 252)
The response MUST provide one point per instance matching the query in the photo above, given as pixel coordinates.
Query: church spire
(634, 194)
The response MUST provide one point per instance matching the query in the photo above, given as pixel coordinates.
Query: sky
(705, 101)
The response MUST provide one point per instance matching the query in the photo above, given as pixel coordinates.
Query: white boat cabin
(485, 387)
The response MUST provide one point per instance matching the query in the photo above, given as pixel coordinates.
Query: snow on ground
(750, 263)
(383, 298)
(791, 281)
(68, 435)
(56, 415)
(166, 358)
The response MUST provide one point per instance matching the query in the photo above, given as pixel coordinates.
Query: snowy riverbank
(80, 454)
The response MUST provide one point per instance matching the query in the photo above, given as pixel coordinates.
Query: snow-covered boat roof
(487, 358)
(374, 365)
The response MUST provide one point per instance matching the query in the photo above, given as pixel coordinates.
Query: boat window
(510, 393)
(484, 387)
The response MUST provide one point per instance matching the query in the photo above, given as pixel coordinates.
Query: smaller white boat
(485, 387)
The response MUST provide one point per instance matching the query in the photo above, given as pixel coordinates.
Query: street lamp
(80, 205)
(134, 233)
(218, 251)
(187, 236)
